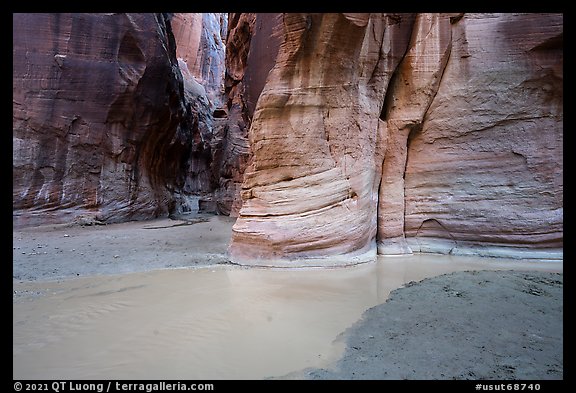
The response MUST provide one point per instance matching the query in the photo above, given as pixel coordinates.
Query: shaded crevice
(431, 224)
(553, 43)
(389, 96)
(524, 158)
(456, 18)
(406, 121)
(129, 52)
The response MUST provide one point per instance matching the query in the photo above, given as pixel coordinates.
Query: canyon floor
(480, 325)
(59, 251)
(158, 299)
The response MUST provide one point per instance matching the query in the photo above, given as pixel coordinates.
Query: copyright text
(116, 386)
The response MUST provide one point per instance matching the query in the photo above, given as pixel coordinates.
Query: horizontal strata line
(496, 123)
(290, 136)
(273, 91)
(42, 209)
(283, 180)
(304, 213)
(513, 238)
(481, 233)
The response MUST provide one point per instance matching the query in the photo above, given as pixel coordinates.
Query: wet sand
(468, 325)
(209, 322)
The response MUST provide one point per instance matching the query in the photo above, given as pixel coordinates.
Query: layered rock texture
(485, 173)
(310, 192)
(200, 49)
(98, 117)
(200, 45)
(332, 137)
(222, 84)
(110, 123)
(250, 54)
(392, 132)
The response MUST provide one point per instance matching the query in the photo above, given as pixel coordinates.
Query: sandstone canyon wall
(200, 44)
(310, 192)
(460, 151)
(224, 66)
(111, 124)
(98, 114)
(250, 54)
(332, 137)
(484, 174)
(200, 49)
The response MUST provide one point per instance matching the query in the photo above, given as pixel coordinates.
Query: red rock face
(310, 191)
(251, 51)
(222, 95)
(484, 172)
(461, 152)
(187, 29)
(133, 121)
(261, 57)
(410, 95)
(98, 112)
(200, 50)
(200, 45)
(332, 137)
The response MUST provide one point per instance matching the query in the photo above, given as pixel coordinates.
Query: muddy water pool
(221, 322)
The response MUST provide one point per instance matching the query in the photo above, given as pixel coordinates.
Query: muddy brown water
(223, 322)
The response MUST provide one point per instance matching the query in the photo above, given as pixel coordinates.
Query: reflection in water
(209, 323)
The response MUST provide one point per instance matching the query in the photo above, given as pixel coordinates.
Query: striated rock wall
(332, 137)
(459, 152)
(310, 192)
(411, 92)
(484, 174)
(98, 115)
(200, 49)
(200, 44)
(133, 121)
(250, 54)
(222, 85)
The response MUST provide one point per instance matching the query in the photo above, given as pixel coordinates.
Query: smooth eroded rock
(310, 191)
(98, 115)
(462, 153)
(484, 174)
